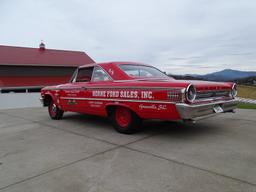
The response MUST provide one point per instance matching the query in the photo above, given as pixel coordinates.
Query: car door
(75, 93)
(100, 79)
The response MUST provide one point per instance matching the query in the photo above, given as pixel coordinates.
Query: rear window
(142, 71)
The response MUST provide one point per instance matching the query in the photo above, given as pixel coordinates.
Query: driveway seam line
(58, 167)
(116, 146)
(83, 135)
(54, 127)
(191, 166)
(14, 125)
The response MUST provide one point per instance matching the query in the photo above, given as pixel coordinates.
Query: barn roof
(10, 55)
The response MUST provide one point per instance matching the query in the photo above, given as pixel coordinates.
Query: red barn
(30, 69)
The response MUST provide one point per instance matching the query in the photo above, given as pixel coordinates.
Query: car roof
(113, 63)
(113, 70)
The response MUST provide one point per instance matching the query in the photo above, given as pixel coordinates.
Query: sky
(177, 36)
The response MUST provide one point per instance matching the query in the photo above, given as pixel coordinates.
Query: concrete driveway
(84, 153)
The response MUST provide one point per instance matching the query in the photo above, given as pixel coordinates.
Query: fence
(19, 100)
(246, 100)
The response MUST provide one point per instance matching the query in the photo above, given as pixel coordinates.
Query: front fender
(46, 97)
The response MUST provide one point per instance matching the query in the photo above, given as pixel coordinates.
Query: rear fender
(109, 107)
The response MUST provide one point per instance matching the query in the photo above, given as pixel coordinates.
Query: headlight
(234, 91)
(191, 93)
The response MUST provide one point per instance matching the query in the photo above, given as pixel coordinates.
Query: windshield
(142, 71)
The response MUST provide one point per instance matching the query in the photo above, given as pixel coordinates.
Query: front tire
(54, 111)
(125, 121)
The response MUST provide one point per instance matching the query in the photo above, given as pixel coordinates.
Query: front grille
(212, 94)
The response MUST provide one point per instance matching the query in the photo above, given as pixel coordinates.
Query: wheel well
(47, 100)
(110, 109)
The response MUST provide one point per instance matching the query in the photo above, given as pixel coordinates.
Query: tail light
(176, 95)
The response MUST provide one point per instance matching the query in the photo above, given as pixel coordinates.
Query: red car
(130, 92)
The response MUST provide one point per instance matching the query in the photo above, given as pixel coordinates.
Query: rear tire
(54, 111)
(125, 121)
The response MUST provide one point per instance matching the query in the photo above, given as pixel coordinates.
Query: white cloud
(179, 36)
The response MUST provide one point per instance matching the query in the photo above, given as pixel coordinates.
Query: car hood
(55, 86)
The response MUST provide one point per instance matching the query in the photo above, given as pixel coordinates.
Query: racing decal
(111, 71)
(162, 107)
(95, 104)
(123, 94)
(142, 106)
(146, 95)
(72, 102)
(153, 106)
(72, 93)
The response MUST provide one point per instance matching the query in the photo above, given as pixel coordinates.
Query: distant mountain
(225, 75)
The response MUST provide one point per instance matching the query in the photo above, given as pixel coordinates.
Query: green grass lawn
(246, 106)
(246, 91)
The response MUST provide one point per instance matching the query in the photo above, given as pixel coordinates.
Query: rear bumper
(200, 111)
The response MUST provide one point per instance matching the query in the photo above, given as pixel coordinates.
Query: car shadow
(173, 128)
(181, 129)
(78, 118)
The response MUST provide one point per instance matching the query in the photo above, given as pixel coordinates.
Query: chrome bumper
(200, 111)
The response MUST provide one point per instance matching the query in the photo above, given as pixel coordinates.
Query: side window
(73, 76)
(84, 74)
(100, 75)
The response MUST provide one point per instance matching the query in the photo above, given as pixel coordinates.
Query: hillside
(227, 75)
(240, 77)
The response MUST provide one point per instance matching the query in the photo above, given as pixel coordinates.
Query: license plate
(217, 109)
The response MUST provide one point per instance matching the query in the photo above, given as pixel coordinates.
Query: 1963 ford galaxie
(130, 92)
